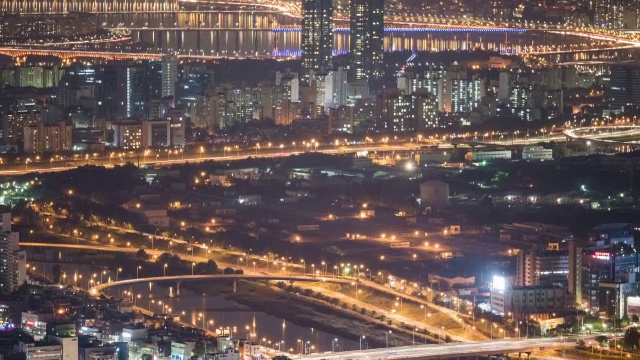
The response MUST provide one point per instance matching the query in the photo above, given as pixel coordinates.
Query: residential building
(10, 272)
(366, 40)
(13, 124)
(169, 75)
(317, 34)
(43, 138)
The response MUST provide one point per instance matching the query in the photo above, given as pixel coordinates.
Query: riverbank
(307, 311)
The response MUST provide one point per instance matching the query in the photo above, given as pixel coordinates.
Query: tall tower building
(367, 38)
(169, 75)
(317, 34)
(12, 264)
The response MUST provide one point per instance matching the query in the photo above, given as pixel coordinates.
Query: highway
(449, 351)
(263, 274)
(46, 166)
(614, 135)
(604, 134)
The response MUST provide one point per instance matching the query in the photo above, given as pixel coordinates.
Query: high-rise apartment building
(366, 40)
(397, 112)
(13, 124)
(40, 138)
(317, 34)
(460, 92)
(11, 274)
(169, 75)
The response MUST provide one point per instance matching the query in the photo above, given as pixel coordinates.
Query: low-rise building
(484, 155)
(41, 351)
(181, 350)
(521, 302)
(127, 135)
(537, 153)
(134, 332)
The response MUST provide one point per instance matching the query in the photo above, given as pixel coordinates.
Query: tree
(447, 339)
(141, 254)
(210, 267)
(602, 340)
(56, 273)
(228, 271)
(280, 357)
(632, 338)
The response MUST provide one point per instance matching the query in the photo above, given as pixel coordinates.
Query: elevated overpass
(609, 136)
(220, 277)
(450, 351)
(250, 274)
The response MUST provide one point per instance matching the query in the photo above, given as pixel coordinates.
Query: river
(215, 313)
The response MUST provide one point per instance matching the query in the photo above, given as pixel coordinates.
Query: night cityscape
(319, 179)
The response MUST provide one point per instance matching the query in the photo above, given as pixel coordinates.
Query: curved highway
(261, 275)
(612, 135)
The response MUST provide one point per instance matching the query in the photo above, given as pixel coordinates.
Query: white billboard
(633, 305)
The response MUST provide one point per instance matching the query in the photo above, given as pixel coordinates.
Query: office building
(604, 271)
(624, 86)
(127, 135)
(317, 34)
(523, 302)
(156, 133)
(43, 138)
(366, 38)
(537, 267)
(536, 153)
(487, 155)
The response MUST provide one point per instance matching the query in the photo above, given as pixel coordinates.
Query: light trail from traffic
(606, 134)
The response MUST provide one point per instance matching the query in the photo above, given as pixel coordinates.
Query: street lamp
(386, 335)
(164, 270)
(137, 272)
(361, 337)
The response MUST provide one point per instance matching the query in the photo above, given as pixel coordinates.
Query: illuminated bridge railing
(66, 6)
(414, 30)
